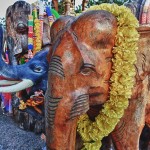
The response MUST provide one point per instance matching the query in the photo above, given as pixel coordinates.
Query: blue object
(48, 11)
(30, 46)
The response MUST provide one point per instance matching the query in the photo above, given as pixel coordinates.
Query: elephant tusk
(6, 82)
(17, 87)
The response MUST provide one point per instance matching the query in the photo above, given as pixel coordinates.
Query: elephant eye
(87, 69)
(38, 69)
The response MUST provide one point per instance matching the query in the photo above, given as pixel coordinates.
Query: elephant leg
(29, 120)
(147, 116)
(145, 138)
(127, 132)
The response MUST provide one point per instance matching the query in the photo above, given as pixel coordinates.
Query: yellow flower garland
(122, 79)
(38, 42)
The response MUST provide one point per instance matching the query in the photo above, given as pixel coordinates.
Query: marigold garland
(122, 78)
(23, 105)
(37, 30)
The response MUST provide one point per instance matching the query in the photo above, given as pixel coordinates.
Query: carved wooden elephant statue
(99, 66)
(17, 29)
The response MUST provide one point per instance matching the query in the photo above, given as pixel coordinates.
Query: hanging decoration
(50, 16)
(35, 26)
(30, 36)
(41, 17)
(35, 35)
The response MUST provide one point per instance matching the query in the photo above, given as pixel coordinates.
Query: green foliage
(97, 2)
(120, 2)
(93, 2)
(3, 22)
(78, 9)
(46, 2)
(61, 8)
(50, 3)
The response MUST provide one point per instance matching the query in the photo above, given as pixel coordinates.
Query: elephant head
(17, 29)
(18, 77)
(17, 26)
(79, 72)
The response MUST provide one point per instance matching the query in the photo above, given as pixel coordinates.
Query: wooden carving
(17, 28)
(80, 64)
(79, 82)
(76, 78)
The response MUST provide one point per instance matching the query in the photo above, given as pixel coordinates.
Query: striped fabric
(145, 12)
(141, 10)
(148, 16)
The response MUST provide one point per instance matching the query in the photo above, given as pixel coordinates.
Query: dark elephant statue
(19, 77)
(17, 29)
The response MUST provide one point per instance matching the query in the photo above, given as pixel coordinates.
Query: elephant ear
(59, 25)
(8, 20)
(96, 28)
(58, 29)
(8, 11)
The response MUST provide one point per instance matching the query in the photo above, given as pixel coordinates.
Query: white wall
(6, 3)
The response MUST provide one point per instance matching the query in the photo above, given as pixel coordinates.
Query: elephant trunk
(62, 136)
(60, 128)
(64, 103)
(61, 120)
